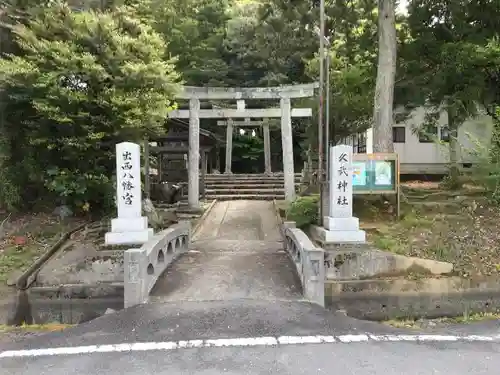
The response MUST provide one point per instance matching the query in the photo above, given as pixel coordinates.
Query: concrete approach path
(236, 309)
(237, 253)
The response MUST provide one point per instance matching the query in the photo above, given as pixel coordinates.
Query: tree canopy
(79, 76)
(80, 82)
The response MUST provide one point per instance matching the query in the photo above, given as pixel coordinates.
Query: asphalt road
(348, 346)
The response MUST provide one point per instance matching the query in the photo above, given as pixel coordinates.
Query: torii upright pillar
(267, 148)
(194, 154)
(229, 147)
(287, 145)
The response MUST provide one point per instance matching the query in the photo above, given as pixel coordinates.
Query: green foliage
(82, 82)
(195, 31)
(74, 83)
(82, 190)
(487, 171)
(304, 211)
(351, 95)
(444, 63)
(248, 153)
(352, 30)
(248, 148)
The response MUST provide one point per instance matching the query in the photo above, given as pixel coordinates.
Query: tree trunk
(386, 72)
(454, 173)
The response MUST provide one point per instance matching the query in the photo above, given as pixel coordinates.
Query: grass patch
(464, 319)
(471, 318)
(403, 323)
(49, 327)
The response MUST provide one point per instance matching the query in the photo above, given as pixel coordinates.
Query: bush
(304, 211)
(487, 171)
(80, 82)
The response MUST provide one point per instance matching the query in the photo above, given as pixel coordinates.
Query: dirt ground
(25, 237)
(460, 227)
(457, 227)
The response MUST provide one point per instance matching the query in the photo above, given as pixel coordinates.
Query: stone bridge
(240, 251)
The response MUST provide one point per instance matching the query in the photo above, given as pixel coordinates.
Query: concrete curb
(74, 303)
(29, 276)
(95, 290)
(202, 219)
(386, 299)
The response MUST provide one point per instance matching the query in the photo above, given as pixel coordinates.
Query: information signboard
(376, 174)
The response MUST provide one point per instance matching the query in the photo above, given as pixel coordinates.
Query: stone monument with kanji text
(340, 226)
(130, 227)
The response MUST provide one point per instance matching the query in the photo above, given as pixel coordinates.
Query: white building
(420, 154)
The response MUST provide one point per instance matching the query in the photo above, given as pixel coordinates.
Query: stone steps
(243, 175)
(246, 178)
(246, 182)
(232, 197)
(246, 186)
(245, 190)
(232, 185)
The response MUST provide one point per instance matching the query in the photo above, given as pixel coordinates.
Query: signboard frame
(373, 158)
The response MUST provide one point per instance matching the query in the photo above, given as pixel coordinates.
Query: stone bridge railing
(145, 265)
(308, 260)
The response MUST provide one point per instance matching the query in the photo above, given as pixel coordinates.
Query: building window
(445, 134)
(399, 134)
(427, 134)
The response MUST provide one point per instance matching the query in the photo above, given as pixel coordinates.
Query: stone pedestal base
(128, 238)
(352, 236)
(131, 224)
(129, 231)
(341, 230)
(344, 224)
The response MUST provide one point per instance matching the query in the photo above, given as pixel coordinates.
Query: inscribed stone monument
(130, 227)
(340, 226)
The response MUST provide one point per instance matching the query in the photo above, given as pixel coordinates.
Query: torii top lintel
(231, 93)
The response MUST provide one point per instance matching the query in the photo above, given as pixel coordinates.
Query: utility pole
(320, 114)
(327, 116)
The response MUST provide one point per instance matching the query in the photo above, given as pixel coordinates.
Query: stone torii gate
(231, 124)
(283, 93)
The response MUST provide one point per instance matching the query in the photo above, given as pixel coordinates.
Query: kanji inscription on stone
(340, 182)
(128, 176)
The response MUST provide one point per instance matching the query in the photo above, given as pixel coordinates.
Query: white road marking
(241, 342)
(353, 338)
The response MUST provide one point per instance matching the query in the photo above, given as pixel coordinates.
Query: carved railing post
(314, 287)
(135, 265)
